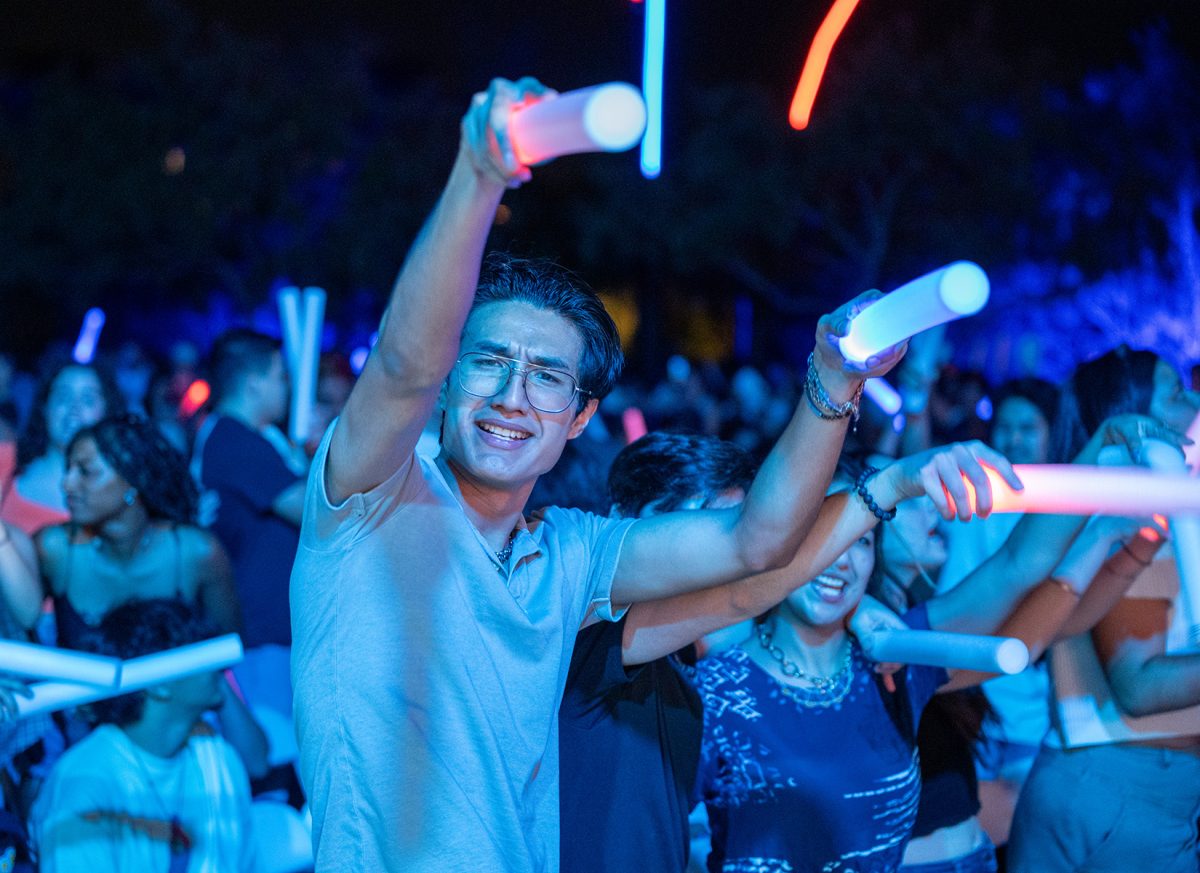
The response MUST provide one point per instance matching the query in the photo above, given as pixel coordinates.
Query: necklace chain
(505, 553)
(825, 690)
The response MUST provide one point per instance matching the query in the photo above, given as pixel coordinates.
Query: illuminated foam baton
(1185, 537)
(289, 324)
(984, 654)
(47, 662)
(1079, 489)
(814, 65)
(955, 290)
(603, 118)
(136, 674)
(308, 360)
(885, 396)
(89, 336)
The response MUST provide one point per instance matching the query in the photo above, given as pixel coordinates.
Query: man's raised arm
(419, 335)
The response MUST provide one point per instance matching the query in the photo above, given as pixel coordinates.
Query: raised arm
(419, 334)
(19, 582)
(655, 628)
(684, 551)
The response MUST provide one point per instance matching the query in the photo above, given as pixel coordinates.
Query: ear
(441, 397)
(160, 692)
(582, 419)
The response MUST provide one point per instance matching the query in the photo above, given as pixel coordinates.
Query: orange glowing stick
(1078, 489)
(814, 65)
(197, 395)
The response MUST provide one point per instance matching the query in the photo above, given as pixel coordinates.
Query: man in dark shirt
(261, 499)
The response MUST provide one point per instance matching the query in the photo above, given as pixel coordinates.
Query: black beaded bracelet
(860, 488)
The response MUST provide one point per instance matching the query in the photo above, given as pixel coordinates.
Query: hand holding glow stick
(975, 652)
(47, 662)
(136, 674)
(956, 290)
(603, 118)
(1185, 536)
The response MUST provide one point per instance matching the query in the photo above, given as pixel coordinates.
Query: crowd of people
(488, 625)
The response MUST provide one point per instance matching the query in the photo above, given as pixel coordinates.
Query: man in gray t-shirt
(432, 622)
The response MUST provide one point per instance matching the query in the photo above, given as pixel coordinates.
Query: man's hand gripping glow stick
(952, 292)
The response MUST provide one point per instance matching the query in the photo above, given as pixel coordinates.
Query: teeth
(505, 432)
(830, 582)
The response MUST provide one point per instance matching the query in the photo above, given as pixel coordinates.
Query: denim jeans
(982, 860)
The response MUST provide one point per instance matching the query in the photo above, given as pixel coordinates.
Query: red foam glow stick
(814, 65)
(1079, 489)
(603, 118)
(634, 423)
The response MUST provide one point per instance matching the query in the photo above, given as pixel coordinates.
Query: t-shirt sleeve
(328, 525)
(591, 541)
(596, 663)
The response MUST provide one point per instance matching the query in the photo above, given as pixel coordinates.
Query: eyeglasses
(547, 390)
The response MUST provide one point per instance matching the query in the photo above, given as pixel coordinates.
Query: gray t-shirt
(428, 678)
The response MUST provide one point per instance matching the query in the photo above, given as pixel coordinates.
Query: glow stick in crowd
(308, 359)
(89, 336)
(885, 396)
(814, 65)
(958, 289)
(48, 662)
(289, 325)
(1185, 537)
(1079, 489)
(136, 674)
(953, 651)
(653, 52)
(634, 424)
(603, 118)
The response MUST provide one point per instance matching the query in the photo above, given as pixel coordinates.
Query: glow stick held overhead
(308, 358)
(48, 662)
(137, 674)
(885, 396)
(976, 652)
(89, 336)
(954, 291)
(603, 118)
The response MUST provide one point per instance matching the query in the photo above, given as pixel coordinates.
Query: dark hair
(1039, 392)
(548, 286)
(665, 469)
(136, 628)
(235, 355)
(138, 451)
(35, 439)
(1118, 381)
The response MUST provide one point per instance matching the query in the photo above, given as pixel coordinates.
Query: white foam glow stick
(885, 396)
(952, 651)
(1079, 489)
(1185, 537)
(957, 289)
(89, 336)
(289, 323)
(136, 674)
(603, 118)
(308, 359)
(47, 662)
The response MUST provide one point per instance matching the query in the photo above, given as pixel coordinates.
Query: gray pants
(1108, 809)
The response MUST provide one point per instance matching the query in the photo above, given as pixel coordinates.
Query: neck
(815, 649)
(494, 511)
(160, 731)
(241, 409)
(125, 533)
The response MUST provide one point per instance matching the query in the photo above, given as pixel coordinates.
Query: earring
(130, 496)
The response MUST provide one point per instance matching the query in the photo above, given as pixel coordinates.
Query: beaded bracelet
(822, 404)
(860, 488)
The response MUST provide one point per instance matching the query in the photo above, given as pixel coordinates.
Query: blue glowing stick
(89, 335)
(885, 396)
(652, 86)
